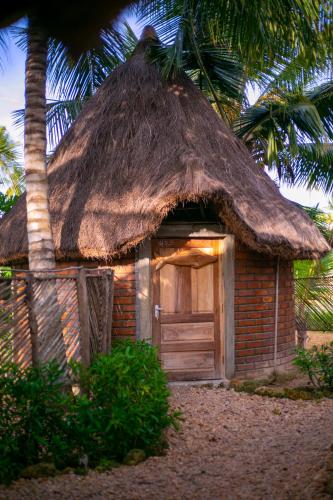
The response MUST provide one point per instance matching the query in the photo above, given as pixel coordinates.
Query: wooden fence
(62, 314)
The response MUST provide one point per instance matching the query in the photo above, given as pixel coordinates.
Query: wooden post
(105, 312)
(110, 279)
(144, 324)
(32, 319)
(228, 294)
(83, 304)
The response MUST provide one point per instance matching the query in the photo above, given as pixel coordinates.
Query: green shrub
(123, 406)
(317, 363)
(33, 425)
(126, 403)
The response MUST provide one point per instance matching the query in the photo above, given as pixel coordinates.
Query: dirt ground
(231, 446)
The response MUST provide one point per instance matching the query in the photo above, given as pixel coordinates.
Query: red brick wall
(255, 312)
(123, 325)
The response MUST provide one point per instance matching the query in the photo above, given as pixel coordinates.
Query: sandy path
(231, 446)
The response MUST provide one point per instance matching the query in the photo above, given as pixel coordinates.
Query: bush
(124, 405)
(33, 425)
(317, 363)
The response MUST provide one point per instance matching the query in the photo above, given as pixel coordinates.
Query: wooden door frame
(143, 275)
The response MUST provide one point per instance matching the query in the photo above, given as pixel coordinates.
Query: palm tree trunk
(41, 246)
(40, 241)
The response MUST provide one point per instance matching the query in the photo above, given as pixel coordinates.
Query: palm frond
(165, 15)
(215, 68)
(314, 302)
(311, 166)
(281, 110)
(60, 114)
(292, 132)
(59, 117)
(321, 220)
(20, 36)
(73, 79)
(4, 34)
(322, 97)
(259, 34)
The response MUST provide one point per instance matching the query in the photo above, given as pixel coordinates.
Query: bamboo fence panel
(57, 315)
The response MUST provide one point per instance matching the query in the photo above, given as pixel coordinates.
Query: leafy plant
(33, 425)
(317, 363)
(126, 403)
(123, 406)
(6, 203)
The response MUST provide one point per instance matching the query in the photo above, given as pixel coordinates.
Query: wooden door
(186, 308)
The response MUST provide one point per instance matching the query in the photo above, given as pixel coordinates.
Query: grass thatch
(140, 146)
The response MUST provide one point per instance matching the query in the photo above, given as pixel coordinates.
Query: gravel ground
(231, 446)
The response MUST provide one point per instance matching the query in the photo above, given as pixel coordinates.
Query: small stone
(134, 457)
(43, 469)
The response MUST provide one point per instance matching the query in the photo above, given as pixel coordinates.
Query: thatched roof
(140, 146)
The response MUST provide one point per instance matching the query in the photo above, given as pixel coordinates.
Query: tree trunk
(47, 311)
(41, 246)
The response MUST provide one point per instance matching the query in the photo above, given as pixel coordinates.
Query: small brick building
(150, 181)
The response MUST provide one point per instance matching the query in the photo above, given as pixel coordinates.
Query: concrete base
(265, 372)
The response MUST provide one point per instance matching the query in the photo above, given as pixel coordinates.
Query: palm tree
(40, 241)
(220, 47)
(41, 252)
(11, 173)
(291, 131)
(72, 81)
(76, 80)
(84, 76)
(290, 127)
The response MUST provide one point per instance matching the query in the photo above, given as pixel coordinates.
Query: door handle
(157, 310)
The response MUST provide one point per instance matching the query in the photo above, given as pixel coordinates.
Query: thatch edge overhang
(263, 244)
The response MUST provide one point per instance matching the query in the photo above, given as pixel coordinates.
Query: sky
(12, 98)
